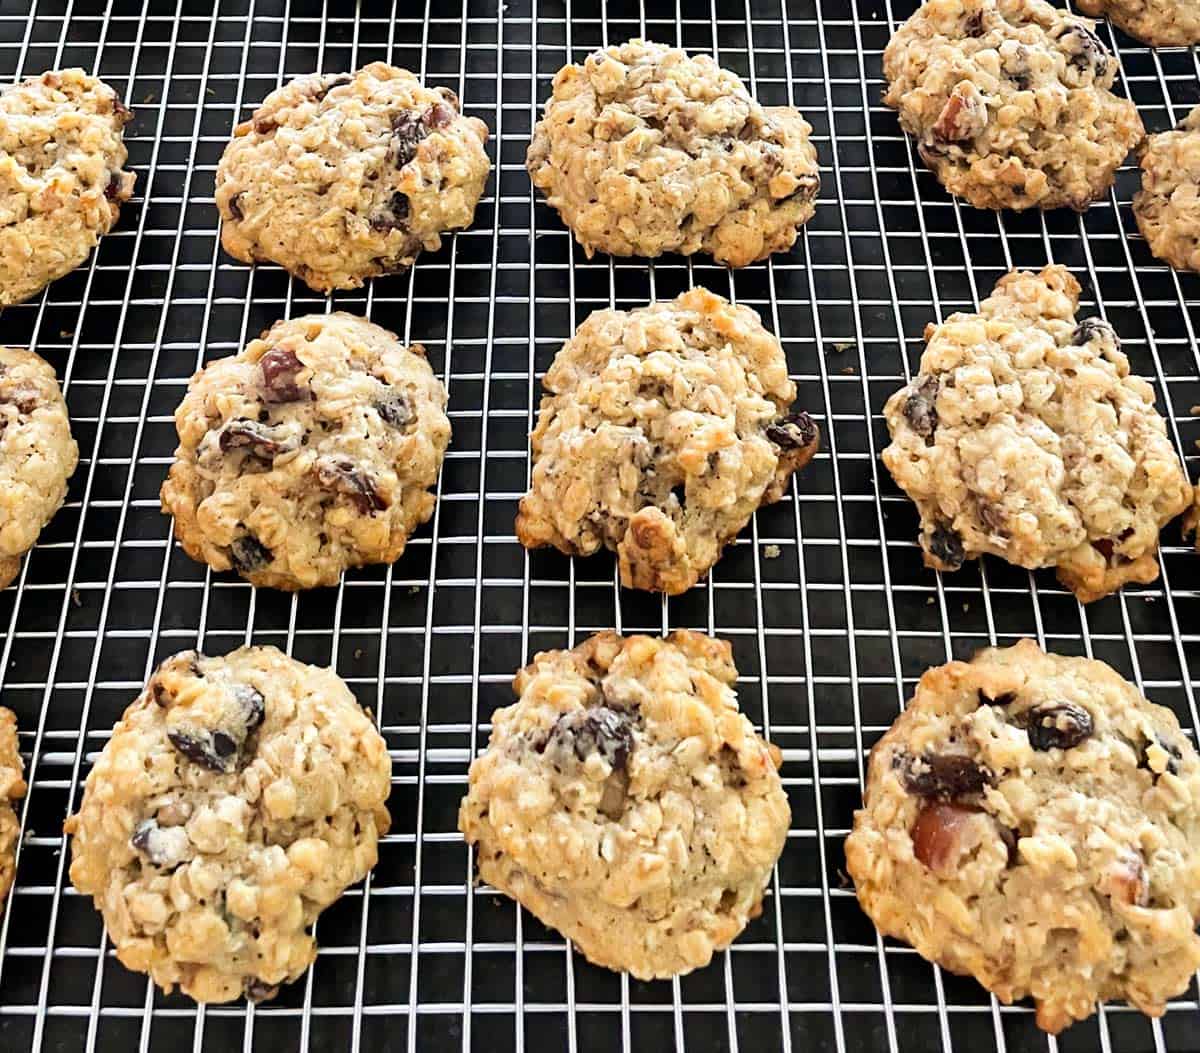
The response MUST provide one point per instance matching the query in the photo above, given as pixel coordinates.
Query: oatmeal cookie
(1167, 207)
(12, 788)
(627, 803)
(61, 180)
(1031, 820)
(1160, 23)
(237, 798)
(37, 454)
(311, 451)
(645, 149)
(341, 176)
(663, 430)
(1024, 435)
(1010, 102)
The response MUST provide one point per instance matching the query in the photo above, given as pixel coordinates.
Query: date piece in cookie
(237, 798)
(1168, 205)
(12, 788)
(1010, 102)
(1024, 435)
(61, 180)
(1160, 23)
(342, 176)
(627, 803)
(311, 451)
(1032, 821)
(645, 149)
(37, 454)
(663, 429)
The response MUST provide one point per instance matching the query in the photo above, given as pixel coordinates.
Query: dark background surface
(829, 635)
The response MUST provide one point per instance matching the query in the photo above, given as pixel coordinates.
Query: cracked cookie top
(61, 178)
(12, 788)
(237, 798)
(661, 432)
(310, 451)
(1167, 207)
(1024, 435)
(1010, 102)
(341, 176)
(1160, 23)
(645, 149)
(37, 454)
(1032, 821)
(627, 803)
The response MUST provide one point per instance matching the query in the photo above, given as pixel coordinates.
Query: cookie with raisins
(311, 451)
(627, 803)
(1167, 207)
(1010, 102)
(341, 176)
(12, 789)
(1160, 23)
(1025, 435)
(237, 798)
(1032, 821)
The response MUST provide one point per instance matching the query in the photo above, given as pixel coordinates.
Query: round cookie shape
(1010, 102)
(61, 178)
(1159, 23)
(237, 798)
(645, 149)
(12, 788)
(1032, 821)
(1024, 435)
(627, 803)
(310, 451)
(663, 429)
(1167, 207)
(339, 177)
(37, 454)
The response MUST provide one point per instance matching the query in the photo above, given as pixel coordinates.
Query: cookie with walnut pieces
(1160, 23)
(12, 788)
(1010, 102)
(37, 454)
(237, 798)
(1167, 207)
(661, 432)
(1031, 820)
(627, 803)
(311, 451)
(62, 183)
(1025, 435)
(341, 176)
(645, 149)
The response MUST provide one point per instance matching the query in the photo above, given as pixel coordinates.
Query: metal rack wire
(825, 601)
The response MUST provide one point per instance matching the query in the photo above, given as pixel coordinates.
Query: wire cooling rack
(830, 613)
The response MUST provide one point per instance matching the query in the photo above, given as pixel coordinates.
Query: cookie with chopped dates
(1160, 23)
(12, 789)
(311, 451)
(627, 803)
(237, 798)
(661, 432)
(1010, 102)
(342, 176)
(1025, 435)
(645, 149)
(1167, 207)
(1032, 821)
(62, 183)
(37, 454)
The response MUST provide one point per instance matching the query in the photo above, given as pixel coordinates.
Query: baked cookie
(311, 451)
(342, 176)
(237, 798)
(1024, 435)
(663, 429)
(627, 803)
(61, 180)
(12, 788)
(37, 454)
(645, 149)
(1160, 23)
(1032, 821)
(1168, 205)
(1010, 102)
